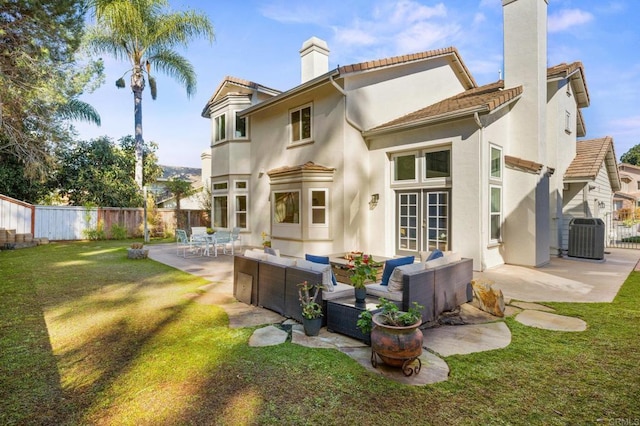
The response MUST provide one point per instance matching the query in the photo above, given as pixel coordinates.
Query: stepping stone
(324, 339)
(242, 315)
(467, 339)
(433, 370)
(268, 336)
(533, 306)
(549, 321)
(472, 315)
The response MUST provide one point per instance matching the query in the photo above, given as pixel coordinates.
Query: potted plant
(363, 268)
(210, 231)
(311, 309)
(395, 336)
(266, 242)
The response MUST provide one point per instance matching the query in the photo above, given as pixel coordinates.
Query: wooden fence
(76, 223)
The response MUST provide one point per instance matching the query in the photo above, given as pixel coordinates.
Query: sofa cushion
(258, 255)
(339, 291)
(395, 281)
(380, 290)
(436, 262)
(318, 267)
(452, 256)
(391, 264)
(434, 255)
(284, 261)
(324, 260)
(424, 255)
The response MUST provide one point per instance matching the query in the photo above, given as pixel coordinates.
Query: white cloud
(354, 37)
(407, 11)
(567, 18)
(424, 36)
(294, 13)
(479, 18)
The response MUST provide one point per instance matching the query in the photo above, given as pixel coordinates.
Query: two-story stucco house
(405, 154)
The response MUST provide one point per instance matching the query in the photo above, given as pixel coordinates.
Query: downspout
(346, 110)
(476, 118)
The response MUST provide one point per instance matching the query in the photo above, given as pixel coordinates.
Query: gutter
(481, 160)
(346, 109)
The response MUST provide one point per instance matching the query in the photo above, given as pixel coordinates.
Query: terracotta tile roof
(520, 163)
(308, 166)
(589, 157)
(240, 83)
(480, 99)
(395, 60)
(575, 72)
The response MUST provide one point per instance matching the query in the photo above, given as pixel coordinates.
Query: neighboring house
(165, 199)
(628, 196)
(405, 154)
(590, 183)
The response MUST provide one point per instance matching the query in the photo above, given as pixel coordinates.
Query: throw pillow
(391, 264)
(395, 282)
(323, 260)
(271, 251)
(434, 255)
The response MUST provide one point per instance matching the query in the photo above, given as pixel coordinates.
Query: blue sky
(260, 41)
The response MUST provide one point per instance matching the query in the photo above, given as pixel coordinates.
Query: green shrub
(118, 232)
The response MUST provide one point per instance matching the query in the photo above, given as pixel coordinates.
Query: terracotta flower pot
(396, 346)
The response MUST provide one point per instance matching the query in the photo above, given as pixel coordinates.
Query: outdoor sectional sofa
(439, 285)
(272, 282)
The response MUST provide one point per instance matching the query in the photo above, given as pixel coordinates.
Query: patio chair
(221, 239)
(235, 236)
(198, 230)
(184, 244)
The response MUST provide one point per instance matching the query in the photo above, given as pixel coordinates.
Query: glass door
(407, 231)
(436, 220)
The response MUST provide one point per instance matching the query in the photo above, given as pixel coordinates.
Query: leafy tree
(180, 189)
(99, 172)
(145, 33)
(632, 156)
(40, 79)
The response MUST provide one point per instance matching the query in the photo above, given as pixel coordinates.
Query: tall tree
(632, 156)
(180, 189)
(146, 33)
(99, 172)
(40, 79)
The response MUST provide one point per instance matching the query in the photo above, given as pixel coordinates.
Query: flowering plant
(308, 293)
(363, 268)
(266, 242)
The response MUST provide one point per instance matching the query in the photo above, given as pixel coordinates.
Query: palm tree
(145, 32)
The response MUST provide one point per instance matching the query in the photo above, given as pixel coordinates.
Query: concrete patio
(562, 280)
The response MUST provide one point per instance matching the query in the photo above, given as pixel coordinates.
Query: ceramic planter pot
(396, 346)
(361, 294)
(312, 326)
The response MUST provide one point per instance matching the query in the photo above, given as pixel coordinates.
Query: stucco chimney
(314, 58)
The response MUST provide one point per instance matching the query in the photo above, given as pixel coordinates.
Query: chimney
(314, 59)
(525, 63)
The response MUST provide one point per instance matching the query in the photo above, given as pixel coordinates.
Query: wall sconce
(601, 204)
(261, 173)
(374, 200)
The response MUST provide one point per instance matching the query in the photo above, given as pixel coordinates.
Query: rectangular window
(495, 213)
(408, 221)
(241, 185)
(286, 207)
(220, 128)
(496, 162)
(241, 127)
(404, 169)
(301, 124)
(319, 206)
(437, 219)
(437, 164)
(220, 186)
(220, 209)
(241, 211)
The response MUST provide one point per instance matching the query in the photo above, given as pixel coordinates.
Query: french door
(422, 221)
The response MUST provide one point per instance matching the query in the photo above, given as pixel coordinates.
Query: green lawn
(90, 337)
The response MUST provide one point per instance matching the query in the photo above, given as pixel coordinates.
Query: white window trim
(325, 208)
(220, 195)
(273, 208)
(246, 212)
(222, 190)
(235, 185)
(246, 127)
(416, 159)
(491, 177)
(216, 128)
(437, 181)
(311, 133)
(500, 214)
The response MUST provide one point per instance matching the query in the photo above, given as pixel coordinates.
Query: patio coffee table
(342, 316)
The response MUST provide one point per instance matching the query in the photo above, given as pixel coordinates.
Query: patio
(562, 280)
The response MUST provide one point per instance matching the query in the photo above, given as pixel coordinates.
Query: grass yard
(90, 337)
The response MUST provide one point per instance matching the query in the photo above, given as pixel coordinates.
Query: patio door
(422, 221)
